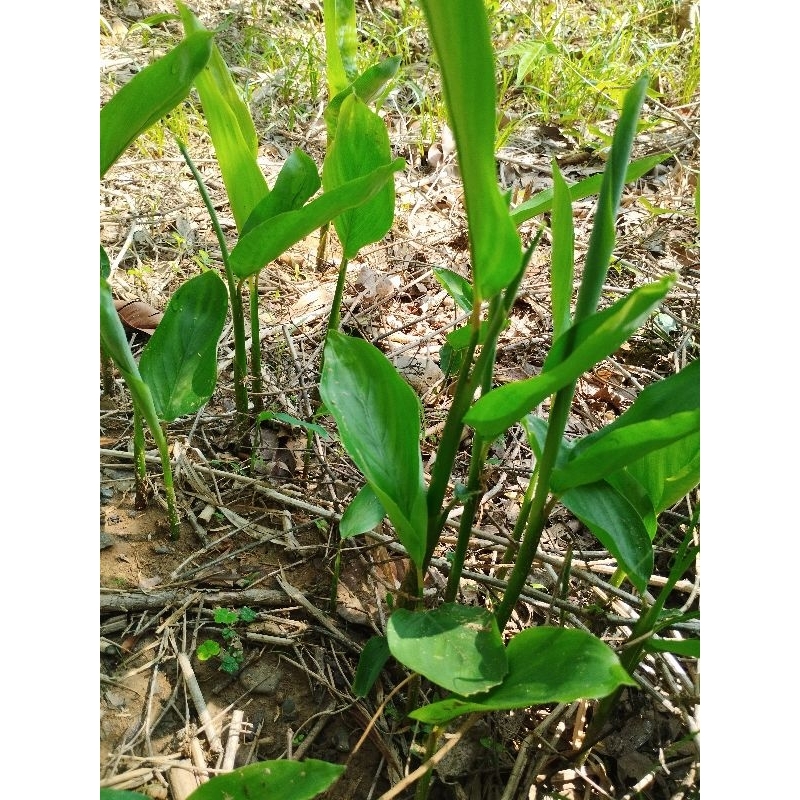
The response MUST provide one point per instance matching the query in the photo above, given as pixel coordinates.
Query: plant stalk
(255, 347)
(140, 500)
(234, 293)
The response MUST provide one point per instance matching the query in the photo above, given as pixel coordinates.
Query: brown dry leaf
(138, 315)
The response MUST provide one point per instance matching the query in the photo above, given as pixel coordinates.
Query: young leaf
(542, 201)
(150, 95)
(283, 778)
(457, 647)
(361, 146)
(594, 339)
(457, 287)
(232, 131)
(545, 665)
(362, 515)
(562, 262)
(179, 363)
(370, 664)
(340, 43)
(366, 86)
(615, 522)
(267, 241)
(378, 417)
(459, 31)
(603, 235)
(297, 181)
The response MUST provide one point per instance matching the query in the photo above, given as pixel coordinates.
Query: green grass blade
(594, 339)
(542, 201)
(151, 94)
(603, 235)
(562, 261)
(232, 131)
(268, 240)
(179, 363)
(459, 31)
(360, 147)
(378, 418)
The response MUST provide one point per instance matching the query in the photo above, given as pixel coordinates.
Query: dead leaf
(136, 315)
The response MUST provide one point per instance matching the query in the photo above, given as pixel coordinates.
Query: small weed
(232, 655)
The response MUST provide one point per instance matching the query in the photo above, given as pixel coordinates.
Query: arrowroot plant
(615, 481)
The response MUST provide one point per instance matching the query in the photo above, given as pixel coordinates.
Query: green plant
(178, 368)
(289, 780)
(615, 481)
(232, 655)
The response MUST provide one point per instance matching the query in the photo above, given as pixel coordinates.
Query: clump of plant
(177, 371)
(231, 655)
(616, 481)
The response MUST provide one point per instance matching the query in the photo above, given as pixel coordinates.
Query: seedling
(231, 655)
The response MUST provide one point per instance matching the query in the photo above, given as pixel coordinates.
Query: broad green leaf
(363, 514)
(689, 648)
(622, 446)
(311, 427)
(545, 665)
(457, 287)
(460, 34)
(150, 95)
(366, 86)
(268, 240)
(595, 338)
(457, 647)
(284, 779)
(297, 181)
(542, 201)
(603, 235)
(340, 43)
(562, 262)
(378, 417)
(179, 363)
(670, 473)
(615, 522)
(370, 664)
(360, 147)
(232, 131)
(636, 494)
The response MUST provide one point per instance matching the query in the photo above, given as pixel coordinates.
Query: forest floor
(259, 526)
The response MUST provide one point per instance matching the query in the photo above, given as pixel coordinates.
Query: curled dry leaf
(138, 315)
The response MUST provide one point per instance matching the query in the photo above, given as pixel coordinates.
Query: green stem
(140, 500)
(538, 515)
(255, 347)
(336, 305)
(235, 295)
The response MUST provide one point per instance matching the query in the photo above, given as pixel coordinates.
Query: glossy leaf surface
(267, 241)
(179, 363)
(286, 779)
(363, 514)
(596, 337)
(360, 147)
(460, 34)
(457, 647)
(378, 418)
(232, 131)
(545, 665)
(151, 94)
